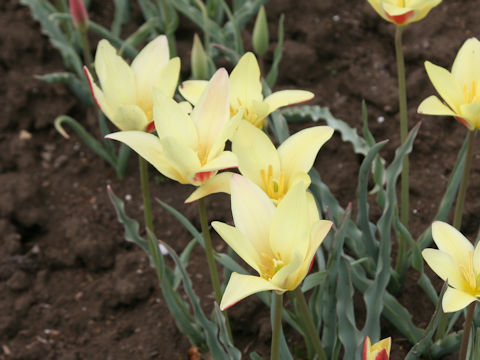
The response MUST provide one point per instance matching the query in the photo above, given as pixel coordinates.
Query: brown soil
(72, 288)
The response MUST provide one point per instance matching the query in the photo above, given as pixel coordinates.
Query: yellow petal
(182, 158)
(454, 300)
(252, 212)
(117, 79)
(288, 276)
(476, 260)
(224, 133)
(465, 67)
(394, 10)
(446, 85)
(192, 90)
(299, 151)
(218, 183)
(239, 243)
(471, 113)
(98, 96)
(423, 7)
(245, 80)
(383, 344)
(148, 66)
(149, 147)
(433, 106)
(287, 97)
(445, 267)
(240, 286)
(171, 120)
(211, 112)
(226, 160)
(130, 117)
(451, 241)
(290, 224)
(255, 152)
(168, 78)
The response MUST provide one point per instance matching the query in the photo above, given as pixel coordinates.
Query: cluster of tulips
(278, 227)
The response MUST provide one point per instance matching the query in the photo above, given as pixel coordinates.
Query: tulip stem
(147, 204)
(87, 56)
(311, 330)
(466, 331)
(457, 218)
(277, 304)
(402, 103)
(212, 267)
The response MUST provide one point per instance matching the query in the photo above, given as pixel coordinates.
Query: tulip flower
(189, 148)
(246, 92)
(458, 261)
(125, 92)
(460, 88)
(79, 14)
(275, 171)
(278, 242)
(379, 351)
(403, 12)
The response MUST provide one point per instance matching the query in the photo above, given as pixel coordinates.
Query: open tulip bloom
(460, 88)
(246, 92)
(379, 351)
(275, 171)
(403, 12)
(278, 242)
(125, 92)
(189, 148)
(458, 261)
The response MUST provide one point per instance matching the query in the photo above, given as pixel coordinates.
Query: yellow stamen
(275, 189)
(468, 273)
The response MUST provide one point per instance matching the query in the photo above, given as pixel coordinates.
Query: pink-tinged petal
(216, 184)
(172, 121)
(192, 90)
(240, 286)
(255, 152)
(452, 242)
(98, 95)
(298, 152)
(287, 97)
(117, 79)
(245, 81)
(454, 300)
(182, 158)
(239, 243)
(445, 267)
(433, 106)
(130, 117)
(79, 14)
(211, 112)
(252, 212)
(149, 147)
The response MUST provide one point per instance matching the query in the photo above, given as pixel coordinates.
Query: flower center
(274, 188)
(271, 265)
(468, 272)
(248, 113)
(470, 93)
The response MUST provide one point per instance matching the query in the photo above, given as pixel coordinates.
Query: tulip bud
(79, 15)
(199, 60)
(260, 33)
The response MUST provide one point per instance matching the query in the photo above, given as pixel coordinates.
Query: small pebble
(380, 119)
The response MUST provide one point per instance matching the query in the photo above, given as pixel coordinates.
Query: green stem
(311, 332)
(402, 103)
(466, 331)
(87, 56)
(211, 260)
(277, 304)
(457, 218)
(147, 204)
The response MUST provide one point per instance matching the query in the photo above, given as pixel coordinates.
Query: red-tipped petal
(79, 14)
(203, 176)
(463, 122)
(401, 19)
(382, 355)
(150, 127)
(366, 347)
(90, 84)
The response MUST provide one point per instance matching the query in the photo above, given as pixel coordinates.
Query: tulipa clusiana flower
(275, 171)
(125, 94)
(377, 351)
(403, 12)
(246, 92)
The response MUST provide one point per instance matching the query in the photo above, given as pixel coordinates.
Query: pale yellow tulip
(125, 94)
(403, 12)
(278, 242)
(189, 148)
(246, 92)
(458, 261)
(460, 88)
